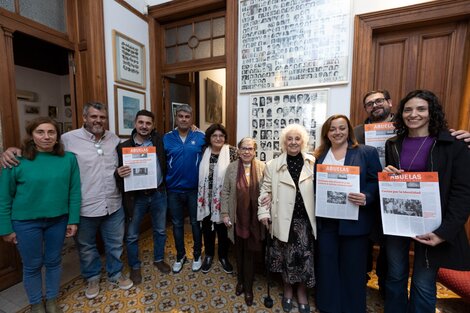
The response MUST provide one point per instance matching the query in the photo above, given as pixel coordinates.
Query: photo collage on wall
(271, 112)
(293, 44)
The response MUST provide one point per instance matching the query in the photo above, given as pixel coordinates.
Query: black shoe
(228, 268)
(206, 264)
(304, 308)
(286, 304)
(239, 289)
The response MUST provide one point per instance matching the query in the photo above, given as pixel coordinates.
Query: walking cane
(268, 301)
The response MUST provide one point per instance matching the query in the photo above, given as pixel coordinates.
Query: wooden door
(10, 265)
(426, 57)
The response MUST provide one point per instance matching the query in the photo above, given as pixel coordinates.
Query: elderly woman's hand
(227, 221)
(266, 201)
(357, 198)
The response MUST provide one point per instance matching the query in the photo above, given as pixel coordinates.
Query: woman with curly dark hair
(424, 144)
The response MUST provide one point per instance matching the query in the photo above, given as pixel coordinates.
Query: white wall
(50, 89)
(219, 77)
(116, 17)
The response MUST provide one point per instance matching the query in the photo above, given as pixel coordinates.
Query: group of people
(231, 194)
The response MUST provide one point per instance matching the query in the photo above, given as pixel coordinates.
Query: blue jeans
(423, 281)
(40, 242)
(156, 204)
(111, 228)
(176, 203)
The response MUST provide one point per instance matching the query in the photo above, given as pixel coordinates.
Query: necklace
(417, 152)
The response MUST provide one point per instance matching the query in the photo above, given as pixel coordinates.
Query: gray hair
(294, 128)
(185, 108)
(95, 105)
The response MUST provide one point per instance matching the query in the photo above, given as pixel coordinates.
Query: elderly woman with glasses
(216, 157)
(239, 212)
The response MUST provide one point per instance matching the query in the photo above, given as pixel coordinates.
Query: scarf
(247, 226)
(204, 206)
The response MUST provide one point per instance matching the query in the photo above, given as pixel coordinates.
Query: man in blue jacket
(183, 148)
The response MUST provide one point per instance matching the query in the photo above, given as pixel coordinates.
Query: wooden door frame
(180, 9)
(365, 25)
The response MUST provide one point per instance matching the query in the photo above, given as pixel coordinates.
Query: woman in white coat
(288, 180)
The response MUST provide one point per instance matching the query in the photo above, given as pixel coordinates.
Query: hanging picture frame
(127, 102)
(129, 60)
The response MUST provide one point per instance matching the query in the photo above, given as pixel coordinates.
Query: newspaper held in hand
(376, 135)
(143, 164)
(410, 203)
(334, 183)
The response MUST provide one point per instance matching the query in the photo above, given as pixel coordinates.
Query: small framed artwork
(31, 109)
(52, 111)
(67, 100)
(129, 60)
(67, 127)
(214, 98)
(127, 103)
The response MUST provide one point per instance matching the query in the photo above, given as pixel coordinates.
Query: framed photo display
(127, 103)
(129, 60)
(293, 44)
(271, 112)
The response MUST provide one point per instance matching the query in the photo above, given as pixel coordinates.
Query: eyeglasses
(217, 136)
(99, 150)
(378, 101)
(247, 149)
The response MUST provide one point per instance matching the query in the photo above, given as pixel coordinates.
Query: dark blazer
(128, 198)
(451, 159)
(367, 158)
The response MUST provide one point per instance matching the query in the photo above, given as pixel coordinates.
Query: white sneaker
(197, 264)
(92, 289)
(178, 265)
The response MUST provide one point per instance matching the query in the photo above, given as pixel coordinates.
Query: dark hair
(382, 91)
(145, 113)
(28, 146)
(211, 130)
(95, 105)
(437, 118)
(325, 141)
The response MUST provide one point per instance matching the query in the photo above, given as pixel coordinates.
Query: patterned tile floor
(198, 292)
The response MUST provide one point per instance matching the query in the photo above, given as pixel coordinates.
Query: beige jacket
(229, 193)
(278, 184)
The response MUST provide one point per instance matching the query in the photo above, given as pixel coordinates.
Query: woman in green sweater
(40, 206)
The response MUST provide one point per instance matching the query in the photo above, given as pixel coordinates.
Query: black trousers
(209, 230)
(245, 263)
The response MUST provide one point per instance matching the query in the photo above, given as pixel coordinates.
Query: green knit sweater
(48, 186)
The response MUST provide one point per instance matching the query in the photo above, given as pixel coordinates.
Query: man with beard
(101, 209)
(137, 203)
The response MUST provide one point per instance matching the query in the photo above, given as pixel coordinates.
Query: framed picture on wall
(214, 98)
(52, 111)
(129, 60)
(67, 100)
(127, 102)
